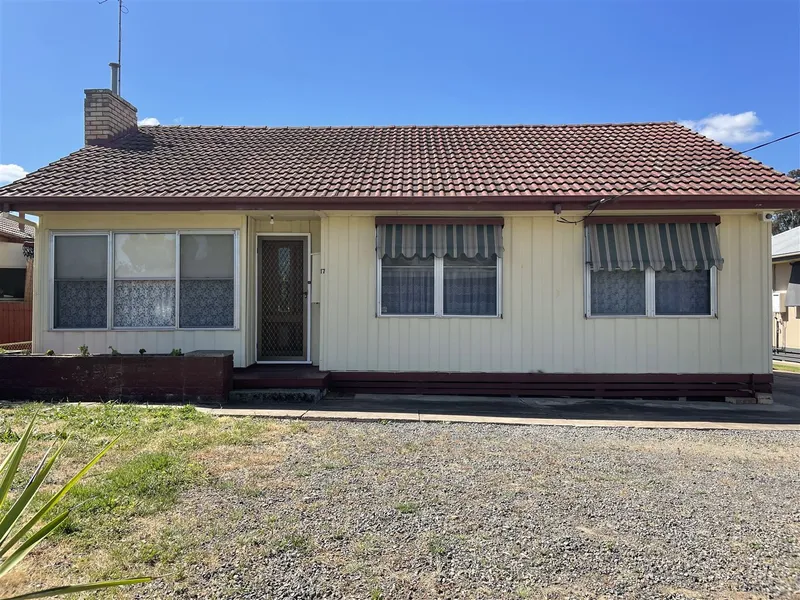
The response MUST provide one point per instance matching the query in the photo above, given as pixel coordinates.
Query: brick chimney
(106, 115)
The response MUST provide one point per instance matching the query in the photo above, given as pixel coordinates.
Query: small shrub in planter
(142, 351)
(114, 351)
(50, 352)
(84, 350)
(176, 352)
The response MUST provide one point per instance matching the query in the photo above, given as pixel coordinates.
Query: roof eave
(417, 203)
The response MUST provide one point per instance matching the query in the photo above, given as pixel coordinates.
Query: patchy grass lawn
(785, 367)
(128, 518)
(250, 508)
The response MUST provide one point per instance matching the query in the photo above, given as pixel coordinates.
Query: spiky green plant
(16, 539)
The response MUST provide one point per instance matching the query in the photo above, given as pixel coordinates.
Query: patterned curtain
(618, 293)
(207, 302)
(139, 303)
(683, 293)
(81, 304)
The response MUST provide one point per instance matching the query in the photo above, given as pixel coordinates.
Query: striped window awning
(409, 240)
(659, 246)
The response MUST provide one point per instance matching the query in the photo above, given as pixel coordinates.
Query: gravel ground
(414, 510)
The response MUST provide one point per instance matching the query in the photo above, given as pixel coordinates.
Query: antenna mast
(119, 48)
(123, 10)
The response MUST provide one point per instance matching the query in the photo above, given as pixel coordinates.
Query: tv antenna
(123, 10)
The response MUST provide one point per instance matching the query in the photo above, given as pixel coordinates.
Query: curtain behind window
(80, 282)
(470, 286)
(407, 286)
(683, 292)
(618, 293)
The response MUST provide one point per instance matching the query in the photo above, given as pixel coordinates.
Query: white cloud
(9, 173)
(149, 121)
(730, 129)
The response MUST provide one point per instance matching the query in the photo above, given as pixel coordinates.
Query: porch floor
(257, 377)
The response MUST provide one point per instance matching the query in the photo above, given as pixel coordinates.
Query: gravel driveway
(416, 510)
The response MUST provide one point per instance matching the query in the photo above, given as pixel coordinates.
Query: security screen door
(283, 299)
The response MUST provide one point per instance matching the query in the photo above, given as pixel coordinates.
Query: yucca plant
(16, 537)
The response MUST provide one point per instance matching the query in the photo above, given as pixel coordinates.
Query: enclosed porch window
(144, 280)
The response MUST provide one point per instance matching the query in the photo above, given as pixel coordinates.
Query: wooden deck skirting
(592, 385)
(600, 385)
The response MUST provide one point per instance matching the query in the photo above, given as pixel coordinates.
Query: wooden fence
(15, 321)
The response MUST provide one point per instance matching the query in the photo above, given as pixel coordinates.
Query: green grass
(785, 367)
(118, 524)
(406, 508)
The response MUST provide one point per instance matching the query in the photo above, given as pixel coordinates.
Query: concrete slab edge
(357, 416)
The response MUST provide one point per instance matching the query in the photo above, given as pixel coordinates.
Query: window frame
(113, 241)
(438, 293)
(51, 276)
(650, 298)
(111, 277)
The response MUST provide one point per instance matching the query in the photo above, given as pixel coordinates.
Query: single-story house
(16, 279)
(425, 258)
(786, 290)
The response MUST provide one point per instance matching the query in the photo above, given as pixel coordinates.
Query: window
(158, 280)
(449, 287)
(618, 293)
(683, 292)
(470, 286)
(653, 267)
(439, 269)
(407, 286)
(144, 280)
(80, 281)
(12, 284)
(652, 293)
(207, 280)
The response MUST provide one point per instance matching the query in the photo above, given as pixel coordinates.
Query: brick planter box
(201, 376)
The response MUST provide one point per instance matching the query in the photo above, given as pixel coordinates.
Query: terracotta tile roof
(516, 160)
(9, 228)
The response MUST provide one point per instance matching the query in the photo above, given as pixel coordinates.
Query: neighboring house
(786, 290)
(392, 253)
(16, 280)
(13, 259)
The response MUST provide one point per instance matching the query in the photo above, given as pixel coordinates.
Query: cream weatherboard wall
(543, 326)
(160, 342)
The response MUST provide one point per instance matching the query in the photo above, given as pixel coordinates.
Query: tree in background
(789, 219)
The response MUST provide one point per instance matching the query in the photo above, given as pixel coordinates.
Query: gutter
(495, 202)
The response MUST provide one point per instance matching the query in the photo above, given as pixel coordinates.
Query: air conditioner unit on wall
(778, 302)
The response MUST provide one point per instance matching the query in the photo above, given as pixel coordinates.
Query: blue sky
(380, 62)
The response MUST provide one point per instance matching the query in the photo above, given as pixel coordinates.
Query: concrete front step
(276, 395)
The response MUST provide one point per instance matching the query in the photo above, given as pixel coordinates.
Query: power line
(595, 204)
